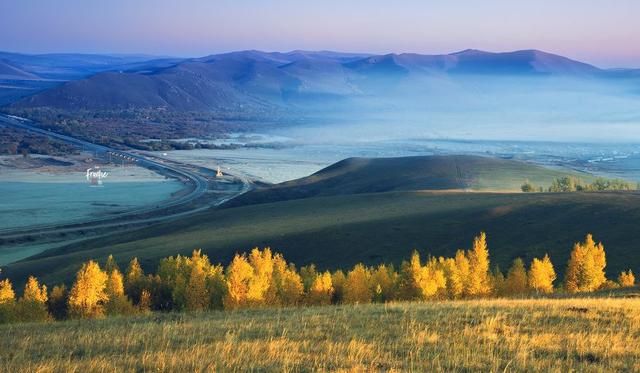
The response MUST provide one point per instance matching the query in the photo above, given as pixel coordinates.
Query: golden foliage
(321, 291)
(356, 287)
(542, 275)
(261, 279)
(6, 292)
(239, 276)
(115, 284)
(478, 281)
(88, 293)
(33, 292)
(117, 303)
(585, 270)
(626, 279)
(287, 285)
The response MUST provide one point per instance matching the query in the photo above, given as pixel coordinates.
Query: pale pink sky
(606, 34)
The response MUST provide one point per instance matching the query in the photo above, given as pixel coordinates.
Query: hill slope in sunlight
(374, 175)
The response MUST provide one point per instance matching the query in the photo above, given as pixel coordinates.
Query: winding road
(199, 186)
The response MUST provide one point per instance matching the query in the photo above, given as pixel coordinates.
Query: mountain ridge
(257, 80)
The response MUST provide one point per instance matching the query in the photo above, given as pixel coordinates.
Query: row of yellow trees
(262, 278)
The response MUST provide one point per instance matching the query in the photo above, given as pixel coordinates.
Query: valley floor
(589, 334)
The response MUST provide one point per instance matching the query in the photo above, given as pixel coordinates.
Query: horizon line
(298, 50)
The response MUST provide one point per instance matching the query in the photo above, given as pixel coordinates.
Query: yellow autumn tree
(115, 283)
(356, 287)
(419, 282)
(463, 270)
(6, 292)
(33, 292)
(321, 291)
(478, 282)
(433, 280)
(516, 282)
(453, 277)
(117, 302)
(33, 304)
(626, 279)
(287, 287)
(239, 275)
(542, 275)
(261, 282)
(8, 312)
(88, 293)
(585, 269)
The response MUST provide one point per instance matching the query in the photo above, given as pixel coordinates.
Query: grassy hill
(380, 227)
(375, 175)
(340, 230)
(481, 335)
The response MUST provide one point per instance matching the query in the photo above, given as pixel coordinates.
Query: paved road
(199, 185)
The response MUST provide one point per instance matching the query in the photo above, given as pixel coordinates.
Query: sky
(604, 33)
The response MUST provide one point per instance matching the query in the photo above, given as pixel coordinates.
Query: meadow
(338, 232)
(557, 335)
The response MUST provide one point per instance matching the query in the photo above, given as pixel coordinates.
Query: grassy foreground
(488, 335)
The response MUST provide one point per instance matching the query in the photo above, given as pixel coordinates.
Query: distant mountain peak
(469, 51)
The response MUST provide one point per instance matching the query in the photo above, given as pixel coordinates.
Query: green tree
(516, 282)
(197, 296)
(135, 281)
(33, 304)
(110, 265)
(57, 303)
(117, 302)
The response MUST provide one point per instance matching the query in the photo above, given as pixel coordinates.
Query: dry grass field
(574, 334)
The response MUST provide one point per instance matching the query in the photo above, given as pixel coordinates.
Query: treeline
(264, 279)
(573, 184)
(15, 141)
(131, 127)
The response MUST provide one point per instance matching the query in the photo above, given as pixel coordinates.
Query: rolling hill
(341, 230)
(375, 175)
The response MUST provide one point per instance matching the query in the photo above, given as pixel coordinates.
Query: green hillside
(378, 210)
(374, 175)
(340, 231)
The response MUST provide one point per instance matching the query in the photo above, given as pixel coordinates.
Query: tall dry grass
(600, 334)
